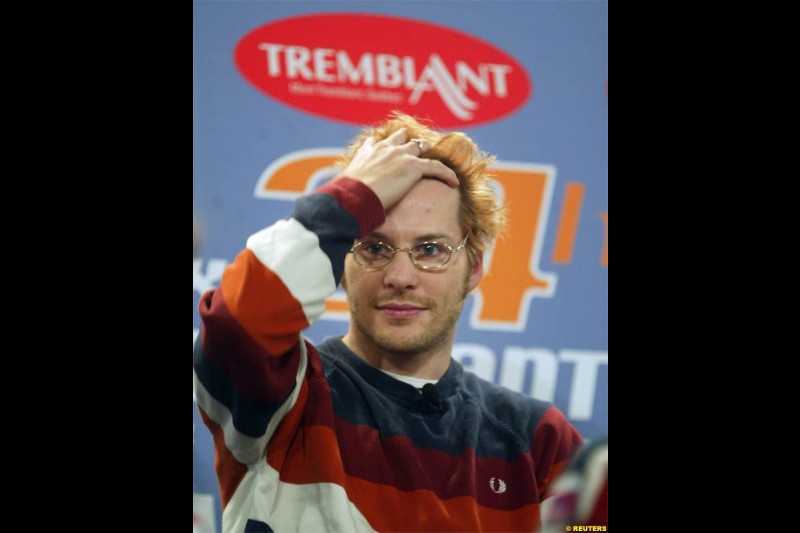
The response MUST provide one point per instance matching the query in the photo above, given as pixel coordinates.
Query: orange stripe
(230, 472)
(568, 223)
(294, 175)
(244, 286)
(336, 306)
(389, 509)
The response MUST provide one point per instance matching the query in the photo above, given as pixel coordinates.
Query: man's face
(401, 308)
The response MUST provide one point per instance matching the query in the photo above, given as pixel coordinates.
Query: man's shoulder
(337, 359)
(329, 346)
(499, 399)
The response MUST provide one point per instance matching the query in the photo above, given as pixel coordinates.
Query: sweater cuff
(358, 200)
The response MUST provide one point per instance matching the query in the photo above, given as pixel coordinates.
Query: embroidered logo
(497, 485)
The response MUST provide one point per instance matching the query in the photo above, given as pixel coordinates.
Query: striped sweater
(316, 439)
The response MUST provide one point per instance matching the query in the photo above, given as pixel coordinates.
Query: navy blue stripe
(250, 417)
(495, 422)
(256, 526)
(335, 227)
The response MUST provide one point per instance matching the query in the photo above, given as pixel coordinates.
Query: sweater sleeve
(555, 444)
(250, 358)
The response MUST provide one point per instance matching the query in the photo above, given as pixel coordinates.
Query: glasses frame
(394, 251)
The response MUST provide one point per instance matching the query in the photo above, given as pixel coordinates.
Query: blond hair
(480, 216)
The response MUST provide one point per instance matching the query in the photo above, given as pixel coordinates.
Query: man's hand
(392, 166)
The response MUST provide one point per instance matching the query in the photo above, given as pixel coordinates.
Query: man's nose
(401, 273)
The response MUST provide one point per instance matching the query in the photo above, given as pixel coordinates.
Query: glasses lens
(373, 254)
(431, 254)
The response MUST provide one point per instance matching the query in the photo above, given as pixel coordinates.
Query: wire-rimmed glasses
(428, 255)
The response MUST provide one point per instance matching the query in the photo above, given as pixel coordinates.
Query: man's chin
(401, 340)
(404, 348)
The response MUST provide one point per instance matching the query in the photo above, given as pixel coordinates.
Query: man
(379, 430)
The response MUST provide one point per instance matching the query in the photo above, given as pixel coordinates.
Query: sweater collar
(446, 384)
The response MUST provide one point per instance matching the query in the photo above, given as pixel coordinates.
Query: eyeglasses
(430, 255)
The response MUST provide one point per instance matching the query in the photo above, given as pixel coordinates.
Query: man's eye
(376, 248)
(429, 249)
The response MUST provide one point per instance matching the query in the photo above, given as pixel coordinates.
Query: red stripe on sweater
(553, 448)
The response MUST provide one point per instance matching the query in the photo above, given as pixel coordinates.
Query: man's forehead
(431, 192)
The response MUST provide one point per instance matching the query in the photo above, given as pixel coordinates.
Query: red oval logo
(356, 68)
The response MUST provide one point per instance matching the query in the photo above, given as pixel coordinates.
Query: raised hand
(392, 166)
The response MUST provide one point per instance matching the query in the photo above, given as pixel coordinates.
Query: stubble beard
(396, 341)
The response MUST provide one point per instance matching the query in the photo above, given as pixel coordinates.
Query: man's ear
(476, 272)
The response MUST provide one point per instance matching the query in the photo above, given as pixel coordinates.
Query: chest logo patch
(497, 485)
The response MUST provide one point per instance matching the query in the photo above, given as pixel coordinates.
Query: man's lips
(400, 310)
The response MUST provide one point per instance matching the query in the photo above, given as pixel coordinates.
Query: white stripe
(292, 252)
(248, 450)
(262, 496)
